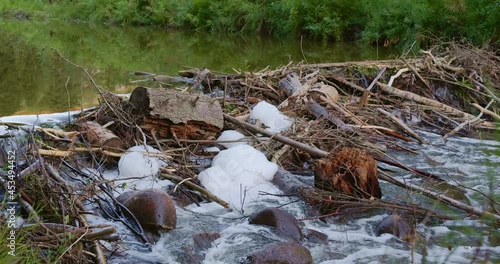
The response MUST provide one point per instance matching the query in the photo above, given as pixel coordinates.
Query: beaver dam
(286, 165)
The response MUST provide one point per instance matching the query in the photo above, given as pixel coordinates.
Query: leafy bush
(392, 22)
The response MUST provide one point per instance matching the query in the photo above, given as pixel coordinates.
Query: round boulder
(153, 208)
(286, 253)
(283, 222)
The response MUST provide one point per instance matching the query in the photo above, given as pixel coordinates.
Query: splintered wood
(170, 113)
(351, 171)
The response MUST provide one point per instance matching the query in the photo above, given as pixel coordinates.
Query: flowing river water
(35, 79)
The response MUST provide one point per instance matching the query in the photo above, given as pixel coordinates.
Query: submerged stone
(194, 254)
(289, 253)
(315, 236)
(283, 222)
(397, 226)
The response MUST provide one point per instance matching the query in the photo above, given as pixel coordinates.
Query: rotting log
(170, 113)
(100, 136)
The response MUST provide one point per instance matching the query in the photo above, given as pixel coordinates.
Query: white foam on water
(149, 149)
(212, 149)
(239, 175)
(231, 135)
(375, 255)
(54, 118)
(135, 162)
(271, 117)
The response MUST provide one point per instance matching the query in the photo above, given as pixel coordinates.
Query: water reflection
(35, 79)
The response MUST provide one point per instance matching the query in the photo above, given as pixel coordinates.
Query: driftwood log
(100, 136)
(171, 113)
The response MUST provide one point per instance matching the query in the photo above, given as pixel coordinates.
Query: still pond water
(35, 79)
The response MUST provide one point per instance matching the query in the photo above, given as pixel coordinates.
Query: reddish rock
(154, 209)
(282, 253)
(283, 222)
(351, 171)
(396, 225)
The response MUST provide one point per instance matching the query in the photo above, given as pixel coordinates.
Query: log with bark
(170, 113)
(100, 136)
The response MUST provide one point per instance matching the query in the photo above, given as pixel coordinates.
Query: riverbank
(404, 24)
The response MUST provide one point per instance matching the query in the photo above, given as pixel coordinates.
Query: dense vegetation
(390, 22)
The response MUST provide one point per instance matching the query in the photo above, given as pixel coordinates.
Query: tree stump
(351, 171)
(170, 113)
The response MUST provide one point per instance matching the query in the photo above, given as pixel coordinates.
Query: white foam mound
(148, 149)
(212, 149)
(237, 173)
(270, 116)
(245, 160)
(135, 164)
(231, 135)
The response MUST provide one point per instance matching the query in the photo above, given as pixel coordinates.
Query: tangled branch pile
(371, 105)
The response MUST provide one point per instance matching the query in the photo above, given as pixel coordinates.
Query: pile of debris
(343, 118)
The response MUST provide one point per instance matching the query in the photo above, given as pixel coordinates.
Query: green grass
(24, 9)
(24, 252)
